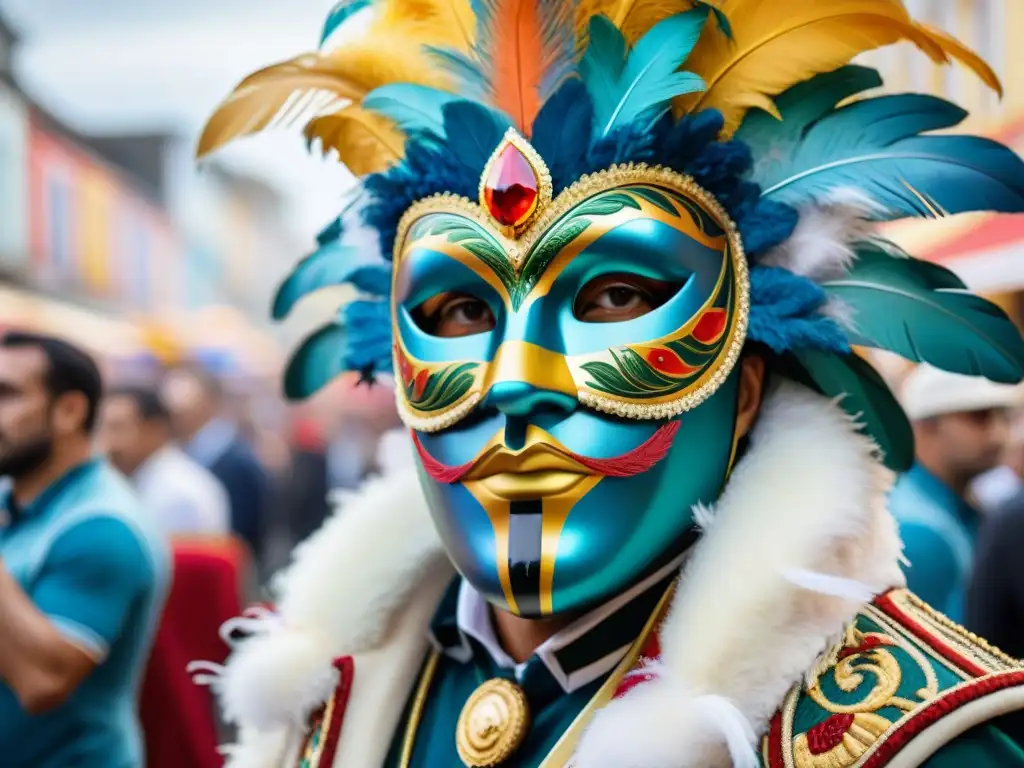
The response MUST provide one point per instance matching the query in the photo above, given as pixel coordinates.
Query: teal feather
(865, 396)
(413, 108)
(626, 87)
(720, 17)
(876, 146)
(332, 264)
(469, 73)
(316, 362)
(773, 142)
(341, 13)
(924, 313)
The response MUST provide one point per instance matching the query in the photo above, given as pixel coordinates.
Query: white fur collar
(770, 585)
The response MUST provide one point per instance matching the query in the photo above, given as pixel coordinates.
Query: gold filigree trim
(965, 642)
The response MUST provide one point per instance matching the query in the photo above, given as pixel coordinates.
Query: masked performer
(617, 255)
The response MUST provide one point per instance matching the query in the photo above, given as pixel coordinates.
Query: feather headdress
(756, 100)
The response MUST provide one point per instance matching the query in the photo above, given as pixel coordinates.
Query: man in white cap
(960, 428)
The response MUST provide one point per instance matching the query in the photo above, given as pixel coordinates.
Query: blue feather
(316, 362)
(875, 146)
(785, 313)
(773, 141)
(341, 13)
(648, 79)
(329, 265)
(473, 131)
(468, 72)
(564, 118)
(373, 279)
(413, 108)
(369, 335)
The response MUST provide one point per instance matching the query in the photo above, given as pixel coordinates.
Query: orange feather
(525, 43)
(516, 59)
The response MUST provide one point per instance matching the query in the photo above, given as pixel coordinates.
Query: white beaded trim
(411, 418)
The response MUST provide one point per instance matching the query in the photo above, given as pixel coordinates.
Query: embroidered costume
(578, 229)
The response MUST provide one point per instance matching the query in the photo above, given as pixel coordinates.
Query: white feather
(820, 246)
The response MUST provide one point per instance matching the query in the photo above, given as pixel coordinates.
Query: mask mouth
(537, 471)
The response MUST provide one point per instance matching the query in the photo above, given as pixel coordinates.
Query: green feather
(864, 395)
(923, 312)
(316, 362)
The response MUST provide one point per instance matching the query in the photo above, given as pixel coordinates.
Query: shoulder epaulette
(902, 669)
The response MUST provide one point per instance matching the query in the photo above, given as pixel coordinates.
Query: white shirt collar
(473, 617)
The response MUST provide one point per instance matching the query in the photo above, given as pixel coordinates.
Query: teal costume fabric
(87, 558)
(985, 746)
(938, 530)
(464, 664)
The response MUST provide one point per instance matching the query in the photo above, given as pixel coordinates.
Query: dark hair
(149, 404)
(68, 369)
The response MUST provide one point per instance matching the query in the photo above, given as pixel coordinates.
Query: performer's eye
(615, 298)
(450, 315)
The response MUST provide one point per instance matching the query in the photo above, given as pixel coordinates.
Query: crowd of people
(99, 481)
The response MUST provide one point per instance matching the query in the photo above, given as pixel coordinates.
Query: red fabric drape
(177, 715)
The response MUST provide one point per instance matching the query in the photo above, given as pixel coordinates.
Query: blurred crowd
(138, 515)
(134, 579)
(208, 457)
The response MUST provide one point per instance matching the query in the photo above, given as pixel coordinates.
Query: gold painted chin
(515, 486)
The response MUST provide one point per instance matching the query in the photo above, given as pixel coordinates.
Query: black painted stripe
(524, 541)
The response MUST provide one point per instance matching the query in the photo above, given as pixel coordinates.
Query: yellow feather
(346, 73)
(365, 142)
(632, 17)
(951, 47)
(783, 42)
(448, 23)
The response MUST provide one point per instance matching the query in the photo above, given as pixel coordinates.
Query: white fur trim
(339, 596)
(819, 247)
(808, 497)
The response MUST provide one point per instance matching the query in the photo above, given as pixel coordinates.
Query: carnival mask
(565, 365)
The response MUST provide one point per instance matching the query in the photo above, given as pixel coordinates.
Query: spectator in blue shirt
(82, 578)
(960, 429)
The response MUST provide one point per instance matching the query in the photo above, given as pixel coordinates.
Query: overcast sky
(120, 65)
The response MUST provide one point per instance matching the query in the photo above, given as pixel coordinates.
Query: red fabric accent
(639, 460)
(939, 708)
(438, 471)
(870, 643)
(887, 606)
(775, 759)
(346, 674)
(710, 326)
(633, 462)
(631, 681)
(828, 734)
(177, 715)
(666, 361)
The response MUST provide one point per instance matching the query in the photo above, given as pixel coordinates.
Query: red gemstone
(710, 326)
(665, 361)
(511, 188)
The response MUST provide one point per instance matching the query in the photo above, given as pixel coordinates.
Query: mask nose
(519, 399)
(525, 378)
